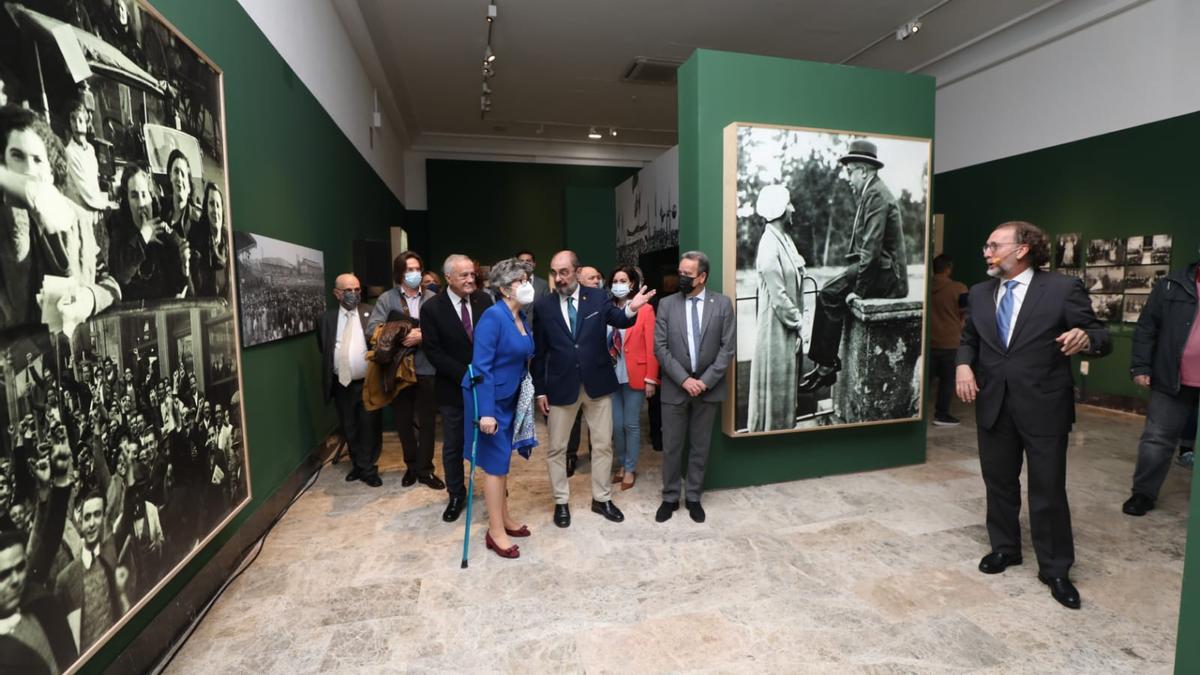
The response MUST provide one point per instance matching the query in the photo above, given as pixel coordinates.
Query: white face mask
(620, 290)
(525, 293)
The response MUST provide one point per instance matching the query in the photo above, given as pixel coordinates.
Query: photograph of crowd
(1107, 306)
(1067, 253)
(1076, 272)
(1148, 250)
(1106, 252)
(828, 231)
(281, 288)
(1104, 279)
(1133, 307)
(121, 419)
(1141, 278)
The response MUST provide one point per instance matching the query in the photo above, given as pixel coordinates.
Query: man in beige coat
(773, 368)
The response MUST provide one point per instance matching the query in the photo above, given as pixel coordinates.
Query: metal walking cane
(471, 476)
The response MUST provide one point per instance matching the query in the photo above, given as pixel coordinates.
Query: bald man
(590, 276)
(343, 344)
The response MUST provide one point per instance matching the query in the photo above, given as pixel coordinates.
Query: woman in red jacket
(632, 352)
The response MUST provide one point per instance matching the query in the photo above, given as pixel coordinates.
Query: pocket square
(590, 315)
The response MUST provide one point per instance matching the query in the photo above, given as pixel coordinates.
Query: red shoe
(522, 531)
(510, 552)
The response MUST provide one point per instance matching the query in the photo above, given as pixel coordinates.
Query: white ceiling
(560, 62)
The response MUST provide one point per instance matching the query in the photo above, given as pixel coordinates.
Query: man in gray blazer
(694, 338)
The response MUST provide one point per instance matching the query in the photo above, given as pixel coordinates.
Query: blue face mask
(620, 290)
(432, 288)
(412, 279)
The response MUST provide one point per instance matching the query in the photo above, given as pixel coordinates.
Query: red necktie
(614, 345)
(466, 320)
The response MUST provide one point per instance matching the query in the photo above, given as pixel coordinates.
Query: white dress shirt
(358, 344)
(687, 313)
(562, 305)
(456, 302)
(1018, 292)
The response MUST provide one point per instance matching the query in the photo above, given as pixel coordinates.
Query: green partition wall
(293, 175)
(717, 88)
(1129, 182)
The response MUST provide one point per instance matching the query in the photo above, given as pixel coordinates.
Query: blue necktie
(571, 314)
(695, 333)
(1004, 312)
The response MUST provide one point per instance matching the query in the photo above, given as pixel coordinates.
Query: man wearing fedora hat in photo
(876, 265)
(779, 267)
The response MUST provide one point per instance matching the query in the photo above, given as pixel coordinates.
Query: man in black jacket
(1166, 360)
(448, 323)
(1023, 326)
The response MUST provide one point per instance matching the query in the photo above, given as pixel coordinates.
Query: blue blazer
(499, 357)
(563, 361)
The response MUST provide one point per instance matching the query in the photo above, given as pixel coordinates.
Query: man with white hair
(777, 336)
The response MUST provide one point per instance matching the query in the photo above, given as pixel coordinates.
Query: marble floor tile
(871, 573)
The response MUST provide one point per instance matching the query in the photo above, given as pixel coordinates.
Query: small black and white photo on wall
(1141, 278)
(1134, 303)
(1107, 306)
(122, 445)
(1068, 251)
(1076, 272)
(827, 234)
(1102, 252)
(1148, 249)
(1104, 279)
(281, 288)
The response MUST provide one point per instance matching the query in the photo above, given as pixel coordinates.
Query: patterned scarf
(524, 432)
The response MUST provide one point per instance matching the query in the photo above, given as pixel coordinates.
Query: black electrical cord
(246, 560)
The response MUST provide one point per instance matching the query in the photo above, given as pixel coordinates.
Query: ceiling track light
(489, 56)
(491, 14)
(908, 29)
(594, 135)
(612, 131)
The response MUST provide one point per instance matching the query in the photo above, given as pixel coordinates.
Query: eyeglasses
(992, 248)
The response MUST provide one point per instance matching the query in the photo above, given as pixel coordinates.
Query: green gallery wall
(1130, 182)
(490, 210)
(717, 88)
(293, 175)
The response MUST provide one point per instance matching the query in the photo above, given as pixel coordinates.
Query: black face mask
(350, 299)
(432, 288)
(686, 284)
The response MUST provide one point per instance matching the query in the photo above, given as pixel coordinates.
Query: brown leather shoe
(631, 480)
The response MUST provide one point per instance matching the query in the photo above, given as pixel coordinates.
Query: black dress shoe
(695, 511)
(821, 376)
(353, 476)
(571, 462)
(608, 510)
(409, 478)
(562, 515)
(1138, 505)
(996, 562)
(454, 508)
(665, 511)
(431, 481)
(1063, 590)
(372, 479)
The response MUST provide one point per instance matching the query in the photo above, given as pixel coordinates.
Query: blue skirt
(493, 452)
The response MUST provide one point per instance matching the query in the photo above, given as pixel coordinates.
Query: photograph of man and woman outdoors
(828, 230)
(121, 428)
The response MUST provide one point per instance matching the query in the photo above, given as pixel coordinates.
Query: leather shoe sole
(995, 562)
(1062, 590)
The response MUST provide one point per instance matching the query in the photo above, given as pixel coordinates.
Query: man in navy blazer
(572, 369)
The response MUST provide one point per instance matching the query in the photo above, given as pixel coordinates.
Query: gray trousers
(692, 420)
(1166, 418)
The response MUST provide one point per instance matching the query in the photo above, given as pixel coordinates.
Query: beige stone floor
(865, 573)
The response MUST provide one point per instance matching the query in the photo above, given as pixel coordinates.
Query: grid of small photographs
(1117, 273)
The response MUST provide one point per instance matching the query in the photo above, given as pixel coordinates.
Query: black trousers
(943, 366)
(415, 412)
(1001, 451)
(654, 409)
(362, 427)
(452, 449)
(830, 317)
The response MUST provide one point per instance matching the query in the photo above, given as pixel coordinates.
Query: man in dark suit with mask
(343, 344)
(1023, 326)
(448, 321)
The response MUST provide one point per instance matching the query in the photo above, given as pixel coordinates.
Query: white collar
(9, 624)
(699, 296)
(1023, 278)
(88, 557)
(455, 298)
(574, 296)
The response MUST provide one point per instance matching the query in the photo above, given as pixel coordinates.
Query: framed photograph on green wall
(122, 432)
(829, 231)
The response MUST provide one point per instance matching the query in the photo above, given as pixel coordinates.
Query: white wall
(312, 38)
(1080, 70)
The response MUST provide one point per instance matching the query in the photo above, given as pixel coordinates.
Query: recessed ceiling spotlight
(594, 135)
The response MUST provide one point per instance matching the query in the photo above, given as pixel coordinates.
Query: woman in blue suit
(503, 345)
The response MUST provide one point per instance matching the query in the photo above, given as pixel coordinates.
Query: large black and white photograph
(281, 288)
(828, 230)
(1104, 279)
(122, 419)
(1141, 278)
(1102, 252)
(1150, 249)
(1133, 307)
(1068, 251)
(1107, 306)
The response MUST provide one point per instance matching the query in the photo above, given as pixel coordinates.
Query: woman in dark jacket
(209, 247)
